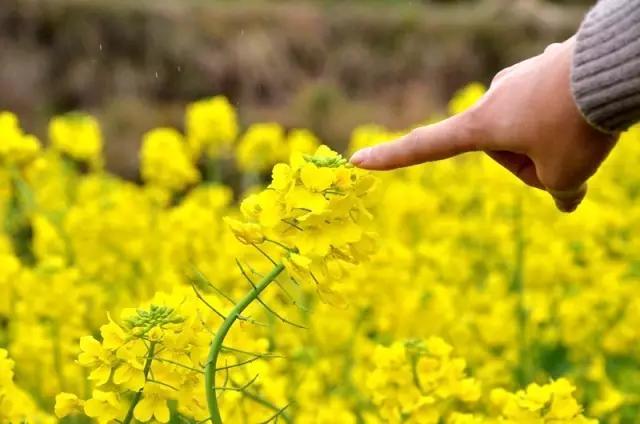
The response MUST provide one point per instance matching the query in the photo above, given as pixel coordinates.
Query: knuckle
(497, 77)
(475, 129)
(570, 196)
(554, 185)
(562, 180)
(553, 178)
(551, 47)
(412, 139)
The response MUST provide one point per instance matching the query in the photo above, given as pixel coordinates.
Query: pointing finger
(443, 140)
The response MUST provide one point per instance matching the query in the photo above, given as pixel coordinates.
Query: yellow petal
(332, 297)
(122, 374)
(300, 261)
(297, 161)
(90, 345)
(315, 178)
(144, 410)
(299, 198)
(325, 151)
(100, 375)
(270, 213)
(93, 408)
(66, 404)
(162, 413)
(113, 336)
(136, 381)
(281, 176)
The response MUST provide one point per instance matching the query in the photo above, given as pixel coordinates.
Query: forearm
(606, 65)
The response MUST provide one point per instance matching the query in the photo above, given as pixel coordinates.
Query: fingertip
(360, 157)
(567, 207)
(568, 201)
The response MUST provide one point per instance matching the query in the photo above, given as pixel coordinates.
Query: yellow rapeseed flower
(78, 136)
(211, 126)
(260, 147)
(16, 147)
(165, 161)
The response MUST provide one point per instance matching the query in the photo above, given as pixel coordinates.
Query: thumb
(443, 140)
(568, 200)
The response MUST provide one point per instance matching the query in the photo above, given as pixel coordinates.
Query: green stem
(17, 222)
(216, 344)
(138, 395)
(212, 170)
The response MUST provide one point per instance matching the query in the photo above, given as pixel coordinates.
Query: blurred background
(324, 65)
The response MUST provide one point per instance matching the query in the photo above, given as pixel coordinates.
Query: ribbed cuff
(605, 74)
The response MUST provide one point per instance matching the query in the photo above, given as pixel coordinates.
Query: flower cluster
(314, 209)
(165, 160)
(211, 126)
(550, 403)
(153, 357)
(260, 147)
(525, 295)
(265, 144)
(78, 136)
(419, 382)
(16, 147)
(15, 404)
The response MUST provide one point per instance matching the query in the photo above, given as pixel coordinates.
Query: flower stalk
(218, 340)
(138, 395)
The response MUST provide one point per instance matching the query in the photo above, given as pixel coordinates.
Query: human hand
(527, 121)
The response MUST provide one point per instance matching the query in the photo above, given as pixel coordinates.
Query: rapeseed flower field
(306, 290)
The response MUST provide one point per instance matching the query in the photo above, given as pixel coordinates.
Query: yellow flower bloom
(313, 204)
(47, 242)
(78, 136)
(129, 373)
(211, 125)
(165, 162)
(552, 402)
(281, 176)
(113, 336)
(153, 405)
(461, 271)
(298, 266)
(260, 147)
(247, 233)
(67, 404)
(302, 140)
(15, 404)
(420, 380)
(93, 355)
(16, 146)
(6, 369)
(316, 178)
(105, 407)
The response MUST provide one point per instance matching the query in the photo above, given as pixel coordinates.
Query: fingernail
(360, 157)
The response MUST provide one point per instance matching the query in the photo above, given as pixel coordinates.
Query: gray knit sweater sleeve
(606, 65)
